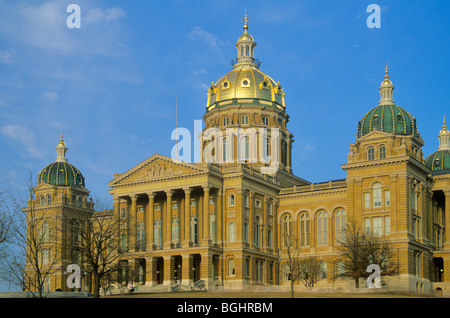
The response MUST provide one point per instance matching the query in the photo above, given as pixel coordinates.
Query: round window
(245, 82)
(437, 162)
(225, 84)
(265, 84)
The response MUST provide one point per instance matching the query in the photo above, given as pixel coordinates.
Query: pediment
(375, 134)
(157, 167)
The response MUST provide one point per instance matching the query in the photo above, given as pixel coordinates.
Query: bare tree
(358, 250)
(291, 262)
(101, 240)
(33, 256)
(310, 270)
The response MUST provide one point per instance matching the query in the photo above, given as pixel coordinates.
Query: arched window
(382, 152)
(231, 266)
(244, 120)
(340, 223)
(80, 201)
(246, 203)
(304, 230)
(266, 149)
(74, 199)
(225, 150)
(266, 120)
(244, 148)
(42, 199)
(269, 238)
(231, 232)
(340, 269)
(376, 195)
(123, 212)
(242, 50)
(247, 50)
(370, 154)
(226, 121)
(322, 228)
(45, 232)
(231, 200)
(49, 199)
(287, 231)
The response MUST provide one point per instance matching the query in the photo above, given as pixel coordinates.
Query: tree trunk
(292, 288)
(96, 285)
(357, 282)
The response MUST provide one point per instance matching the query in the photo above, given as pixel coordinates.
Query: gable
(157, 167)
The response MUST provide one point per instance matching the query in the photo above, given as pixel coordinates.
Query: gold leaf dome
(245, 81)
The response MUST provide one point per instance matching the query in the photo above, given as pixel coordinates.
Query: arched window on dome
(370, 153)
(266, 120)
(42, 199)
(49, 199)
(242, 51)
(247, 50)
(244, 148)
(61, 178)
(226, 121)
(382, 152)
(244, 120)
(74, 199)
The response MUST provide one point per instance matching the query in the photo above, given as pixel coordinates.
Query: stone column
(187, 271)
(187, 218)
(150, 271)
(168, 221)
(447, 220)
(149, 221)
(132, 223)
(205, 220)
(265, 225)
(219, 217)
(205, 268)
(251, 219)
(169, 270)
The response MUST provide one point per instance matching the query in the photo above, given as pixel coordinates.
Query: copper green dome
(387, 116)
(60, 172)
(439, 161)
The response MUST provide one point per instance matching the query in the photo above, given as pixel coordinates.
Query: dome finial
(386, 89)
(61, 150)
(444, 137)
(245, 19)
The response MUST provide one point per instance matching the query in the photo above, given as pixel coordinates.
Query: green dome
(439, 161)
(61, 174)
(387, 118)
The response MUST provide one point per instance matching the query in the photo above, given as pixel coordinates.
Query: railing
(316, 187)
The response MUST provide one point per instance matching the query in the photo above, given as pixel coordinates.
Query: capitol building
(221, 221)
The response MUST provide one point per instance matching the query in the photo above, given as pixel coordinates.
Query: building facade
(219, 223)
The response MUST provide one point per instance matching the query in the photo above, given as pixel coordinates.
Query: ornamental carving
(156, 170)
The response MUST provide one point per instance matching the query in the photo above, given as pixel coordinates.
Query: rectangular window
(157, 207)
(367, 200)
(377, 226)
(367, 225)
(193, 203)
(387, 225)
(140, 209)
(387, 198)
(258, 203)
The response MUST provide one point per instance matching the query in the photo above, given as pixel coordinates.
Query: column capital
(151, 195)
(187, 190)
(169, 193)
(133, 197)
(206, 188)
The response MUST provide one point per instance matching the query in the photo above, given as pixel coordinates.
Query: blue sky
(111, 85)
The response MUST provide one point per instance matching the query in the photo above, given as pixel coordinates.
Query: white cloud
(108, 15)
(7, 57)
(210, 38)
(24, 136)
(50, 96)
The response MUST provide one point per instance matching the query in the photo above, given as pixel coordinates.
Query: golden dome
(245, 81)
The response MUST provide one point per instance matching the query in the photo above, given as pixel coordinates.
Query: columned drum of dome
(60, 172)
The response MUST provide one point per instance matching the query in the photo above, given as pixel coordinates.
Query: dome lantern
(245, 49)
(61, 150)
(386, 90)
(444, 138)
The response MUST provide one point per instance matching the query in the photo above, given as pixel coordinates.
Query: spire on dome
(444, 137)
(61, 150)
(386, 89)
(246, 49)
